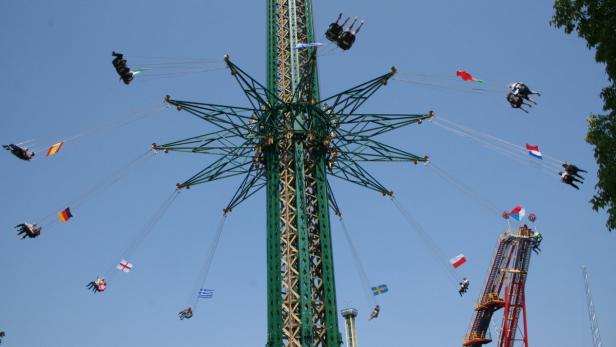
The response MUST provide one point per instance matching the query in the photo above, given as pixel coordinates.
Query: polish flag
(458, 260)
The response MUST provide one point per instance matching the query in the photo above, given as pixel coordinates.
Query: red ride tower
(504, 288)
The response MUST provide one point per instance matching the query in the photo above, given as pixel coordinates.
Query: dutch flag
(534, 151)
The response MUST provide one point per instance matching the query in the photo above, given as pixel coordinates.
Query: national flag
(458, 260)
(306, 45)
(124, 266)
(379, 289)
(65, 215)
(467, 76)
(518, 213)
(534, 151)
(54, 148)
(206, 293)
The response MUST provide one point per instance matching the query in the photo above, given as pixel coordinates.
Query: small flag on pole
(518, 213)
(65, 215)
(306, 45)
(54, 148)
(458, 260)
(534, 151)
(378, 290)
(206, 293)
(124, 266)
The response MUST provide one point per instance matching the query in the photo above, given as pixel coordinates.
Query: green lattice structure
(289, 140)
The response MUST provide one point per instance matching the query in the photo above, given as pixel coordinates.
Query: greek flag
(206, 293)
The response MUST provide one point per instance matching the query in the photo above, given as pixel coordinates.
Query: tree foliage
(595, 22)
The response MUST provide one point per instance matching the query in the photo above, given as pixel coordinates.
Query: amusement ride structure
(287, 141)
(504, 287)
(592, 315)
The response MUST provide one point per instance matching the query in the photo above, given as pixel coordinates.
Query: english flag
(124, 266)
(458, 260)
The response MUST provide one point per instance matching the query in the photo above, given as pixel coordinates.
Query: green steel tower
(287, 141)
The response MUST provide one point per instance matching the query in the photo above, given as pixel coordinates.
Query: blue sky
(58, 82)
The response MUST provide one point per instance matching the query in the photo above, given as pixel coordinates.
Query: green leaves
(595, 22)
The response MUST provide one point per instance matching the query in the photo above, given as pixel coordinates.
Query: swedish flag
(380, 289)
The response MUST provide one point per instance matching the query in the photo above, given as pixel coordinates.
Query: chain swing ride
(288, 141)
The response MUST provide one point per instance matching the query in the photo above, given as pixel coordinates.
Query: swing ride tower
(287, 142)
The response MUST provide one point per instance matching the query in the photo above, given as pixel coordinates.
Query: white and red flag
(458, 260)
(124, 266)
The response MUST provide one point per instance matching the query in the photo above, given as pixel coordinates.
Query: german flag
(65, 215)
(54, 148)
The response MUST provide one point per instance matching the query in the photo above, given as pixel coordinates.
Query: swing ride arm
(350, 100)
(374, 124)
(252, 183)
(352, 135)
(350, 171)
(260, 97)
(219, 143)
(333, 204)
(235, 164)
(233, 118)
(365, 149)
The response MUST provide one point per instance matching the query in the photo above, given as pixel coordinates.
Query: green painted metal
(274, 286)
(271, 26)
(334, 338)
(309, 20)
(274, 319)
(303, 247)
(294, 54)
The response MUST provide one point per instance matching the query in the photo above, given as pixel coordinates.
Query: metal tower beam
(592, 315)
